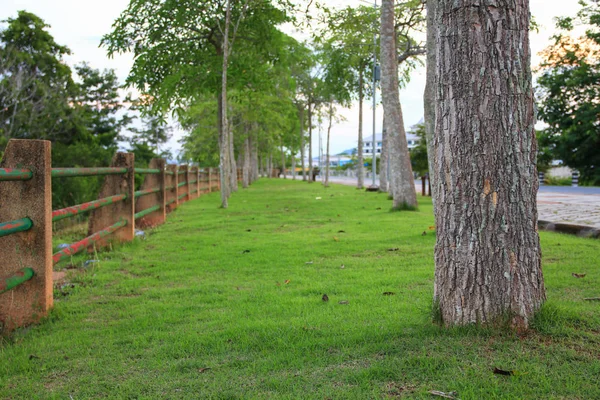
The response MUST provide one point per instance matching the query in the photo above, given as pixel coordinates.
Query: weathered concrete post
(32, 199)
(172, 201)
(152, 181)
(123, 210)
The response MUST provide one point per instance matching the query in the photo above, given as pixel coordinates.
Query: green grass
(208, 290)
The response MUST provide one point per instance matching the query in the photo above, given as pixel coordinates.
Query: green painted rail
(182, 196)
(84, 243)
(72, 211)
(171, 202)
(147, 171)
(15, 174)
(19, 225)
(16, 279)
(170, 173)
(170, 188)
(190, 182)
(181, 172)
(181, 184)
(146, 192)
(73, 172)
(146, 212)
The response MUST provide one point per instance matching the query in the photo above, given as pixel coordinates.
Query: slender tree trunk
(246, 160)
(310, 164)
(233, 175)
(223, 151)
(254, 147)
(404, 187)
(384, 180)
(302, 144)
(328, 137)
(429, 95)
(282, 161)
(487, 253)
(270, 164)
(294, 166)
(361, 162)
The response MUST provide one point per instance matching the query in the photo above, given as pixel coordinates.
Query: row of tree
(82, 111)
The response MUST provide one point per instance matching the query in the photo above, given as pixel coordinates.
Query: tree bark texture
(487, 254)
(404, 192)
(383, 159)
(282, 160)
(224, 164)
(233, 171)
(429, 95)
(361, 162)
(254, 175)
(246, 161)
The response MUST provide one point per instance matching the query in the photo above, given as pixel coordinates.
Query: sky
(80, 25)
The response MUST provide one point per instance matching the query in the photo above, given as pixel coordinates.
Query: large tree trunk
(429, 95)
(254, 147)
(487, 253)
(404, 192)
(384, 180)
(361, 162)
(310, 164)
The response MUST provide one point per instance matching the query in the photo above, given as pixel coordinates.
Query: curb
(579, 230)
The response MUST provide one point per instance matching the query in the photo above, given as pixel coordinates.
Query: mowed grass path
(227, 304)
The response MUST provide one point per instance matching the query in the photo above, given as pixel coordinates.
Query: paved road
(579, 205)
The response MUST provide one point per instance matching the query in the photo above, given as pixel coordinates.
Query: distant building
(369, 148)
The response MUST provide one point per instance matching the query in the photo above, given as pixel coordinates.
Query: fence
(26, 178)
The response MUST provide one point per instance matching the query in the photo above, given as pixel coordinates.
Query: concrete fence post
(575, 179)
(197, 182)
(173, 181)
(123, 210)
(32, 199)
(152, 181)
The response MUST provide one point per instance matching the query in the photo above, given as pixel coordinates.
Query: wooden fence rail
(26, 217)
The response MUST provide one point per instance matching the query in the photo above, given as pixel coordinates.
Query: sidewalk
(558, 204)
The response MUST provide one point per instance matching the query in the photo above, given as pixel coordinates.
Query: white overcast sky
(80, 24)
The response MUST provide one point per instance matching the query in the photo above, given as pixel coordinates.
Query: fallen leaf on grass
(325, 297)
(248, 230)
(503, 372)
(342, 266)
(339, 215)
(202, 370)
(245, 251)
(341, 231)
(336, 239)
(378, 208)
(388, 293)
(431, 228)
(394, 249)
(424, 233)
(578, 275)
(287, 281)
(308, 262)
(277, 284)
(317, 198)
(343, 302)
(592, 299)
(449, 395)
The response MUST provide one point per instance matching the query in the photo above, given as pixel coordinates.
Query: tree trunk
(429, 95)
(328, 137)
(294, 166)
(302, 144)
(383, 159)
(487, 254)
(310, 164)
(361, 162)
(282, 161)
(254, 146)
(246, 161)
(223, 151)
(233, 174)
(270, 164)
(404, 192)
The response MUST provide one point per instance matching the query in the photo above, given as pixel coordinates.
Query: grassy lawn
(227, 304)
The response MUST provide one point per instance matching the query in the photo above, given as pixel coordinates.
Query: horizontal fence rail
(16, 279)
(88, 241)
(75, 172)
(15, 174)
(72, 211)
(26, 216)
(19, 225)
